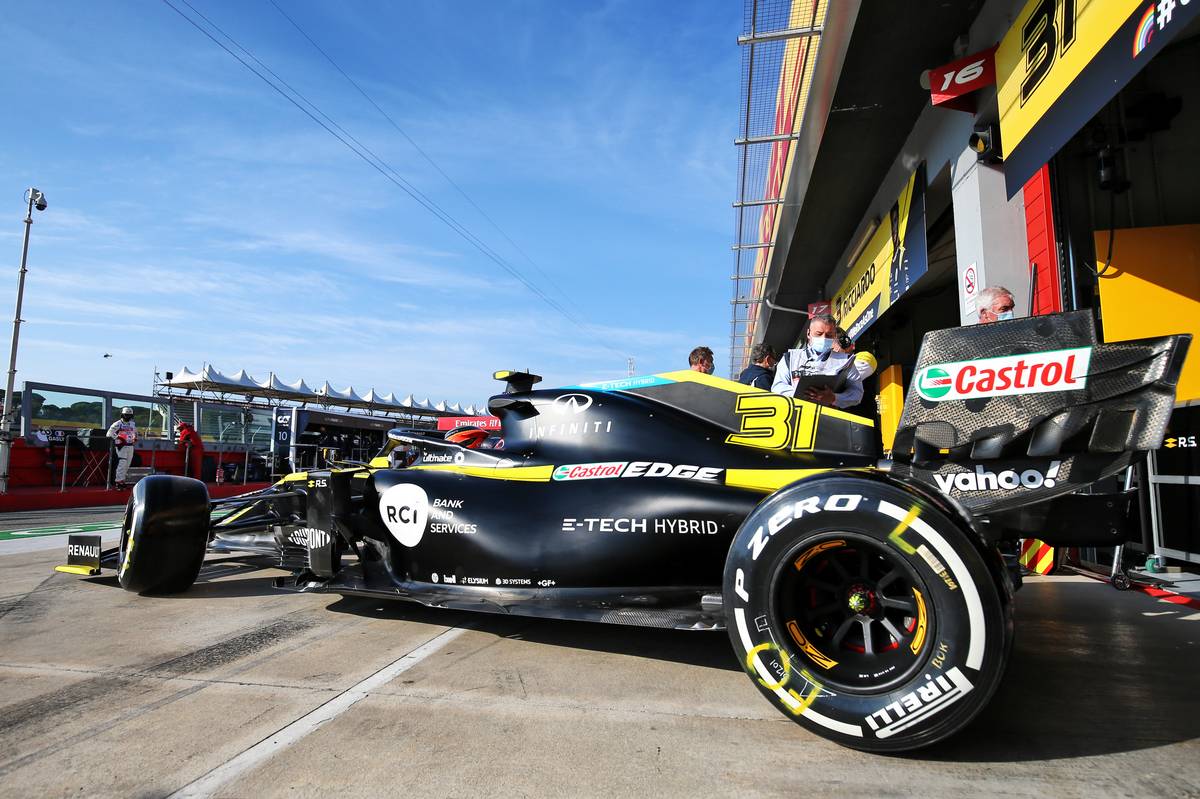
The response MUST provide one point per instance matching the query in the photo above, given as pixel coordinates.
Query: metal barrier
(66, 456)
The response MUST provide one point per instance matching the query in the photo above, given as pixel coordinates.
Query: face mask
(128, 417)
(820, 345)
(1004, 316)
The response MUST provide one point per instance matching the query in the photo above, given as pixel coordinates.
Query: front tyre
(164, 535)
(866, 613)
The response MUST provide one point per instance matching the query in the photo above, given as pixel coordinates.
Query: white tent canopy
(211, 380)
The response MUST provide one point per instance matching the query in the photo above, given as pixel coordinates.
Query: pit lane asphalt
(104, 693)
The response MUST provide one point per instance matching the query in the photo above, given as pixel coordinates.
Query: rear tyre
(866, 612)
(164, 535)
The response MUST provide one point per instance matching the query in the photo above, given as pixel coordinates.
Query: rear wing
(1009, 414)
(1037, 387)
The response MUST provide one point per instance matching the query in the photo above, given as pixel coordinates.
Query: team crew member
(864, 362)
(761, 370)
(123, 433)
(995, 304)
(817, 357)
(701, 360)
(192, 446)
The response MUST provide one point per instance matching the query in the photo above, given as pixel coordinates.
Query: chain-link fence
(780, 40)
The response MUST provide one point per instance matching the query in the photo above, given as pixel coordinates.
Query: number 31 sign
(949, 83)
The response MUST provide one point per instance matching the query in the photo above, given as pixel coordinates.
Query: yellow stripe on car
(691, 376)
(526, 474)
(766, 480)
(734, 387)
(234, 516)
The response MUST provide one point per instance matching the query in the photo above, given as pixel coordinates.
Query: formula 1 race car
(867, 599)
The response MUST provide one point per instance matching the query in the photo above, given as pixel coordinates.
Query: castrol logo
(1031, 373)
(589, 471)
(600, 471)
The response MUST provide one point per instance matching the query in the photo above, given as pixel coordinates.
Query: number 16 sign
(949, 83)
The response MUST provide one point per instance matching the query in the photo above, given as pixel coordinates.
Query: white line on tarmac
(222, 775)
(39, 543)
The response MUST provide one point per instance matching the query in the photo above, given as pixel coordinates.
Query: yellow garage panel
(1153, 289)
(891, 403)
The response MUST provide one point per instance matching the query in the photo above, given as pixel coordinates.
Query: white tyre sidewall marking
(958, 570)
(955, 566)
(854, 730)
(404, 510)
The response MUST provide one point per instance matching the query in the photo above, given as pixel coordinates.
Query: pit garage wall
(994, 241)
(1153, 284)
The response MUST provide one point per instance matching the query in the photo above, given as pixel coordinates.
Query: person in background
(995, 304)
(701, 360)
(188, 442)
(864, 362)
(817, 357)
(123, 433)
(842, 342)
(761, 370)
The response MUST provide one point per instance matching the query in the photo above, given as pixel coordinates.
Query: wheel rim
(855, 611)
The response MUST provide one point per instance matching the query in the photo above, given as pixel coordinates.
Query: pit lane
(235, 689)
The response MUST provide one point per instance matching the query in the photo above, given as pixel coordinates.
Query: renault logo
(571, 403)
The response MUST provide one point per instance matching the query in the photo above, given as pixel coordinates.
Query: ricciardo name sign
(891, 262)
(1031, 373)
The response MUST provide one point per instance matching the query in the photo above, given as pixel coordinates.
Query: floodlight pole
(6, 418)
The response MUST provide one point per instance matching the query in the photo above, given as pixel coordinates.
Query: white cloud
(195, 216)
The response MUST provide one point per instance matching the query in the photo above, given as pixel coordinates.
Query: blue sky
(196, 216)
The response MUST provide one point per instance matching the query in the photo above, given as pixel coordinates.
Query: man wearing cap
(123, 433)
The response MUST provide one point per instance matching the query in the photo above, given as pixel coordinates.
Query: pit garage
(1046, 148)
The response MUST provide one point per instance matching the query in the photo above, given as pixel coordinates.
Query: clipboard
(835, 382)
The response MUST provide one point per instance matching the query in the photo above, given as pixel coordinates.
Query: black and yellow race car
(866, 598)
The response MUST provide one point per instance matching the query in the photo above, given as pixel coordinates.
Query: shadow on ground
(706, 649)
(1089, 673)
(1092, 671)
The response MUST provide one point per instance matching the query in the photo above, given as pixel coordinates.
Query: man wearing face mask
(123, 433)
(818, 357)
(995, 304)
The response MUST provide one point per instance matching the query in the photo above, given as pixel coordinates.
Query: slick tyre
(867, 612)
(164, 535)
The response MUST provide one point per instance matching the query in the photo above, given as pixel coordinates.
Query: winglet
(87, 571)
(517, 382)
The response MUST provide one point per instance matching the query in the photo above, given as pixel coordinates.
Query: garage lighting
(986, 144)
